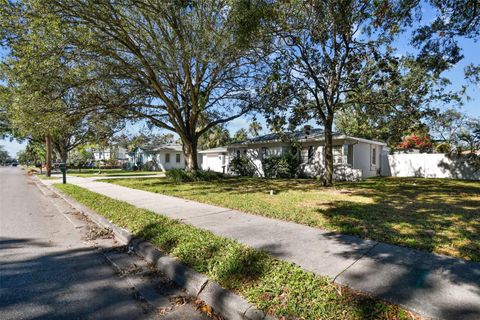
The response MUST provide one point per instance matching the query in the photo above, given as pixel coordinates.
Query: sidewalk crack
(202, 287)
(359, 258)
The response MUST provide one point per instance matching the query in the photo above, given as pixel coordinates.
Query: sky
(471, 107)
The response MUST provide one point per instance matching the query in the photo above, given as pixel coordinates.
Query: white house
(110, 153)
(215, 159)
(354, 158)
(163, 157)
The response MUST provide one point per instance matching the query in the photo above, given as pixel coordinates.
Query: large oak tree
(191, 64)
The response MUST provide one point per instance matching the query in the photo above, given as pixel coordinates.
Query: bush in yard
(205, 175)
(285, 166)
(179, 175)
(150, 166)
(242, 166)
(417, 142)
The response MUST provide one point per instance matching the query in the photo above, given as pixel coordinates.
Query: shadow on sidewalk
(66, 284)
(408, 276)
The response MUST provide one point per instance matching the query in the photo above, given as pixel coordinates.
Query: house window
(374, 155)
(350, 154)
(338, 155)
(167, 157)
(264, 152)
(177, 156)
(245, 152)
(238, 153)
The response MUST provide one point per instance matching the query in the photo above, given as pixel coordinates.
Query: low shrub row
(273, 166)
(278, 287)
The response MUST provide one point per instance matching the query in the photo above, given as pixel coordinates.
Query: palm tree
(216, 137)
(240, 135)
(255, 128)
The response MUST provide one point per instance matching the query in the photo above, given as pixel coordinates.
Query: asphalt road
(48, 270)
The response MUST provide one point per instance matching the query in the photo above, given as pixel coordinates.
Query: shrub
(285, 166)
(179, 175)
(205, 175)
(242, 166)
(176, 175)
(150, 166)
(422, 143)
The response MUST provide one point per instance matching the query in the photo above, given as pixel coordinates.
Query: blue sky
(471, 107)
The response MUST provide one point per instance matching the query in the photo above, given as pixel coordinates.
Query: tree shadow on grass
(436, 219)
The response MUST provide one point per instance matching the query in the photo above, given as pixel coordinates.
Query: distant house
(162, 157)
(353, 157)
(215, 159)
(110, 153)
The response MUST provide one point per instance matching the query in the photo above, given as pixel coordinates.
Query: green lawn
(87, 173)
(438, 215)
(277, 287)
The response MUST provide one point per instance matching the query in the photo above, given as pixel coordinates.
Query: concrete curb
(223, 301)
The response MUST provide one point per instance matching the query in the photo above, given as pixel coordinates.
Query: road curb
(223, 301)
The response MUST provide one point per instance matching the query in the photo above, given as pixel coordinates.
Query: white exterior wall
(172, 164)
(362, 158)
(341, 171)
(255, 153)
(428, 166)
(314, 168)
(159, 158)
(215, 161)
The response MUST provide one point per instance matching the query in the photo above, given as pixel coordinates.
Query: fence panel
(428, 165)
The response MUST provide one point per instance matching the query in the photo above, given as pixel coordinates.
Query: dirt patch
(95, 232)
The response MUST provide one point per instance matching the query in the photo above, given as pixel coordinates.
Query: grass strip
(277, 287)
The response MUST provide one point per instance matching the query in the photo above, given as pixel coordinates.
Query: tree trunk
(328, 153)
(48, 156)
(64, 156)
(190, 154)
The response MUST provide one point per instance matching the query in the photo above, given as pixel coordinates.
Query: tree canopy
(76, 69)
(187, 65)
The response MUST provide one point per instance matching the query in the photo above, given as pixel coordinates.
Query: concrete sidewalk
(432, 285)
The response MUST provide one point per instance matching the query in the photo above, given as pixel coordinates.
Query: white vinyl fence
(427, 166)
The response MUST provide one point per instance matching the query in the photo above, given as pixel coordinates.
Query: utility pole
(48, 157)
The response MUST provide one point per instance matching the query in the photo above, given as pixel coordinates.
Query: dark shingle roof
(162, 147)
(297, 135)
